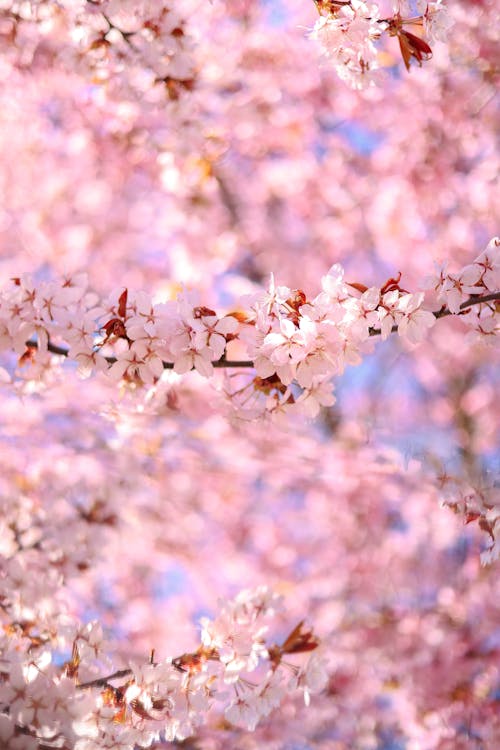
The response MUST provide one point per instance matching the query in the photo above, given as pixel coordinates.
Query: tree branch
(474, 300)
(445, 312)
(103, 681)
(219, 363)
(235, 363)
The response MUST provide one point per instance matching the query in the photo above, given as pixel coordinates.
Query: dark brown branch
(181, 663)
(63, 352)
(476, 299)
(126, 35)
(235, 363)
(104, 681)
(444, 312)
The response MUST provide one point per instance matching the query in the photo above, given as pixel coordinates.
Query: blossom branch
(157, 42)
(169, 699)
(445, 312)
(220, 363)
(234, 364)
(295, 345)
(474, 300)
(101, 682)
(347, 33)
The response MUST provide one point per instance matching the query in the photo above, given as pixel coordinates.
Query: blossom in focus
(437, 21)
(346, 39)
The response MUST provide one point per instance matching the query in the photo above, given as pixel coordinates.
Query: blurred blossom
(301, 551)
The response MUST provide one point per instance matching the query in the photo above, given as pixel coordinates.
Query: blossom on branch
(346, 37)
(348, 32)
(145, 703)
(295, 344)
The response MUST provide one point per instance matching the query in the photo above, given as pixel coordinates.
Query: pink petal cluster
(129, 46)
(155, 144)
(144, 703)
(436, 19)
(347, 40)
(295, 345)
(348, 32)
(475, 503)
(480, 278)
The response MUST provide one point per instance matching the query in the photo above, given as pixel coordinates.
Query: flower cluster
(475, 503)
(138, 334)
(347, 33)
(295, 345)
(436, 21)
(296, 341)
(480, 278)
(346, 36)
(144, 703)
(135, 46)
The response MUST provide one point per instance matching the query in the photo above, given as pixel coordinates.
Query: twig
(104, 681)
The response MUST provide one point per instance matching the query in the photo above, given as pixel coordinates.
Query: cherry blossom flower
(316, 396)
(137, 361)
(346, 39)
(133, 149)
(489, 264)
(437, 21)
(415, 321)
(312, 678)
(244, 712)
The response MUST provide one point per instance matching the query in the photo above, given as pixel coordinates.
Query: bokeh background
(264, 163)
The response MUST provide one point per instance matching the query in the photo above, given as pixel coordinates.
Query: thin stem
(104, 681)
(444, 312)
(219, 363)
(126, 35)
(474, 300)
(335, 5)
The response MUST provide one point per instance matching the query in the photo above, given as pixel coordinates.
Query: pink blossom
(437, 19)
(177, 180)
(414, 323)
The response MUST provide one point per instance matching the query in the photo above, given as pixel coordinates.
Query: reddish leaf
(413, 46)
(486, 526)
(121, 716)
(190, 662)
(71, 667)
(419, 44)
(360, 287)
(299, 641)
(297, 299)
(203, 312)
(122, 304)
(139, 709)
(240, 316)
(391, 284)
(115, 327)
